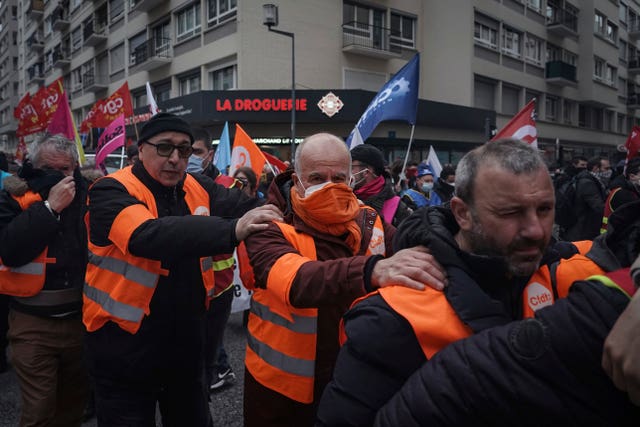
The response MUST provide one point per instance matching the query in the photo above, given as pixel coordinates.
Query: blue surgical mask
(194, 165)
(427, 187)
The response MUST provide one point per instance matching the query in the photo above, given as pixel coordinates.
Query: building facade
(9, 76)
(481, 61)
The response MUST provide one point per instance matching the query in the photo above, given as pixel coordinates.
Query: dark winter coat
(170, 337)
(382, 351)
(25, 234)
(589, 207)
(444, 190)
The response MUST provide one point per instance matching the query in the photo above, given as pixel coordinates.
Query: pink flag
(113, 137)
(61, 122)
(522, 126)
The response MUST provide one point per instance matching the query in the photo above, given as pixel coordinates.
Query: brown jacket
(330, 287)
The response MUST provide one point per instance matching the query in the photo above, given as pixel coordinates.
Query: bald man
(309, 268)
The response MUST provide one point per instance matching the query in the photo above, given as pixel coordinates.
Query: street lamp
(270, 19)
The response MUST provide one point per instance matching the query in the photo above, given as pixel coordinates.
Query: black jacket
(25, 234)
(382, 351)
(170, 336)
(444, 190)
(589, 207)
(536, 372)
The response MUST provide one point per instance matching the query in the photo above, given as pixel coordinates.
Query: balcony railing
(35, 73)
(94, 32)
(633, 67)
(59, 19)
(633, 100)
(35, 9)
(560, 73)
(61, 57)
(561, 21)
(370, 40)
(152, 54)
(94, 82)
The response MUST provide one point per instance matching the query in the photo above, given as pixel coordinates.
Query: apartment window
(599, 23)
(511, 42)
(47, 25)
(632, 20)
(610, 75)
(622, 13)
(76, 79)
(611, 33)
(622, 87)
(533, 49)
(623, 50)
(620, 120)
(162, 38)
(484, 93)
(365, 24)
(551, 108)
(188, 22)
(220, 11)
(75, 4)
(189, 83)
(535, 5)
(510, 99)
(598, 68)
(116, 57)
(116, 10)
(139, 98)
(223, 78)
(567, 111)
(162, 90)
(76, 39)
(137, 42)
(569, 57)
(608, 121)
(485, 31)
(402, 30)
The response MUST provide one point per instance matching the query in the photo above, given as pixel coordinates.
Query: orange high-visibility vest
(118, 285)
(436, 324)
(608, 210)
(26, 280)
(281, 344)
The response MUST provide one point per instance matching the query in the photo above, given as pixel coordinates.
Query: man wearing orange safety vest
(308, 270)
(152, 232)
(43, 256)
(494, 243)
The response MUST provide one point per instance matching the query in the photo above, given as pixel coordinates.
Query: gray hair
(512, 155)
(57, 142)
(325, 135)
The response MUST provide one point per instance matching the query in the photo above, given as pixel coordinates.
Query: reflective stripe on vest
(281, 344)
(26, 280)
(119, 286)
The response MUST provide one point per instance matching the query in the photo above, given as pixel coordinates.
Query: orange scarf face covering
(331, 210)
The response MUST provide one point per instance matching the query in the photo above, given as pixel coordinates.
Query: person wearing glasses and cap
(152, 231)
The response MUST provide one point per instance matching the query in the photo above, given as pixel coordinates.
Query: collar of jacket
(156, 188)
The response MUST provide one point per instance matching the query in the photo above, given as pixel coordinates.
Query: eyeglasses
(165, 149)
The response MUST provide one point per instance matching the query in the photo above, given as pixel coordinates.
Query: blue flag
(222, 158)
(397, 100)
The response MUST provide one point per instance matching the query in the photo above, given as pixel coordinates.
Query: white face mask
(312, 189)
(427, 187)
(355, 178)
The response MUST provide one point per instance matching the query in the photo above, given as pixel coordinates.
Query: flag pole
(406, 157)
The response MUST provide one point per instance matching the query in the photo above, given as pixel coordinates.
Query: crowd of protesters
(383, 294)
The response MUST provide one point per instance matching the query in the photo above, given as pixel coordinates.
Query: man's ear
(462, 213)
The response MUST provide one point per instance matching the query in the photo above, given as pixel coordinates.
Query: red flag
(277, 164)
(118, 103)
(633, 143)
(113, 137)
(245, 153)
(46, 101)
(27, 116)
(89, 121)
(522, 126)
